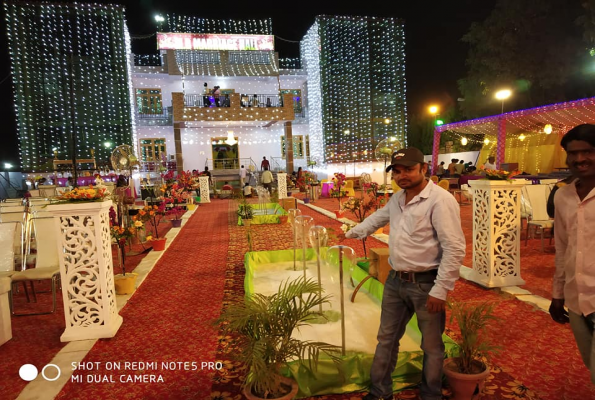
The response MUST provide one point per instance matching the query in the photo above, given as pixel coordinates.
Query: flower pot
(247, 391)
(306, 200)
(191, 207)
(283, 219)
(464, 386)
(125, 284)
(380, 231)
(246, 221)
(338, 213)
(159, 244)
(176, 223)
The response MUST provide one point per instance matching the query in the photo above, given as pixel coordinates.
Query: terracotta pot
(159, 244)
(246, 222)
(247, 391)
(465, 386)
(338, 213)
(176, 223)
(283, 219)
(125, 284)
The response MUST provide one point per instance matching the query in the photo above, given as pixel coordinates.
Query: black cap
(407, 157)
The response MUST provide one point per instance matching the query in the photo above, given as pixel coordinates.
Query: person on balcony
(216, 94)
(205, 96)
(255, 101)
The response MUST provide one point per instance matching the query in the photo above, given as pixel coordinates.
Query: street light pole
(503, 95)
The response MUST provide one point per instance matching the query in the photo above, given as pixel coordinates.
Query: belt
(421, 277)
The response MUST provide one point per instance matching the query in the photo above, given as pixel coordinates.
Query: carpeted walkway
(168, 320)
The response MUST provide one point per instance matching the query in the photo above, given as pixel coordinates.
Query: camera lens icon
(29, 372)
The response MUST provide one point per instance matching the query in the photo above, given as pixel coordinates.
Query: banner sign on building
(202, 41)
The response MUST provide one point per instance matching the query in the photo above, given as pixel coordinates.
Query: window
(298, 147)
(152, 149)
(148, 101)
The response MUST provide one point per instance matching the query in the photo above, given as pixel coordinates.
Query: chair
(47, 190)
(539, 219)
(434, 178)
(395, 187)
(444, 184)
(348, 188)
(47, 265)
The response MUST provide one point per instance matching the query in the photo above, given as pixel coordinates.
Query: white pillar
(5, 323)
(205, 195)
(496, 232)
(86, 270)
(282, 184)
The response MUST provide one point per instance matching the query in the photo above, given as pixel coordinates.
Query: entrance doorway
(225, 156)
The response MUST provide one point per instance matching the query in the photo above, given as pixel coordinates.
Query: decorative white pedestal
(86, 270)
(282, 185)
(496, 233)
(5, 323)
(205, 195)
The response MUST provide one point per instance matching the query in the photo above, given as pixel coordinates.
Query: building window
(298, 147)
(152, 149)
(198, 57)
(148, 101)
(250, 57)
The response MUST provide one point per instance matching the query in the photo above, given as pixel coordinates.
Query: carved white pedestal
(5, 323)
(86, 270)
(496, 233)
(205, 195)
(282, 184)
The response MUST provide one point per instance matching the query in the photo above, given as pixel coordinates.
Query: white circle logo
(50, 379)
(28, 372)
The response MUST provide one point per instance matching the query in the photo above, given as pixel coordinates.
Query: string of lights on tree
(188, 24)
(359, 65)
(70, 77)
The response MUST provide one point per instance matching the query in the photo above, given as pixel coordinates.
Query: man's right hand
(558, 312)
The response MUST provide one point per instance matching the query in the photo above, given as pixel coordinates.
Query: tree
(535, 47)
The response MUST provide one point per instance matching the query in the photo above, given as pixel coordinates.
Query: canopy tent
(519, 136)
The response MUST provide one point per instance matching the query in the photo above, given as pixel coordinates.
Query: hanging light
(231, 140)
(464, 141)
(521, 137)
(486, 141)
(547, 129)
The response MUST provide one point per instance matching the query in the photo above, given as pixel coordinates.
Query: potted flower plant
(153, 215)
(264, 326)
(124, 283)
(468, 371)
(498, 174)
(337, 190)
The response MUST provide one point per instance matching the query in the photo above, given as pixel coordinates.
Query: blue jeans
(400, 300)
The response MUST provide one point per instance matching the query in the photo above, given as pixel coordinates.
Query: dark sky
(435, 55)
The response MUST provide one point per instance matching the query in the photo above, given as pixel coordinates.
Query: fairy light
(360, 63)
(83, 39)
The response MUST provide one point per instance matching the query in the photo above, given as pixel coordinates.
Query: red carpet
(168, 320)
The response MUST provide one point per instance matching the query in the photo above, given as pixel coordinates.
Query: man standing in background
(242, 176)
(265, 164)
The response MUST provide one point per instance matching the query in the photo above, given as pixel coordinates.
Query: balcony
(200, 110)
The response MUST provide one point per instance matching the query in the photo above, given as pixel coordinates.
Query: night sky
(435, 55)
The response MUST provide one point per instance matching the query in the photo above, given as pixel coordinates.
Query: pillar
(203, 184)
(435, 151)
(289, 148)
(178, 146)
(496, 232)
(282, 185)
(86, 270)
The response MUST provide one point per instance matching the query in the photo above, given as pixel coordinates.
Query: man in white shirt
(574, 222)
(426, 246)
(267, 179)
(491, 164)
(242, 176)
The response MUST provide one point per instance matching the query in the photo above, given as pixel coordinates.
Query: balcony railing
(201, 100)
(165, 118)
(157, 166)
(261, 100)
(148, 60)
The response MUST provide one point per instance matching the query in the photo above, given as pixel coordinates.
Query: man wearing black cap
(427, 246)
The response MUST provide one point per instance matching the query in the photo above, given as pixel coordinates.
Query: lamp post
(434, 111)
(159, 19)
(503, 95)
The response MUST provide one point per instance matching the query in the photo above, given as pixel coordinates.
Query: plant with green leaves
(265, 325)
(473, 345)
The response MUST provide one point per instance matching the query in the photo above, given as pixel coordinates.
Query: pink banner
(202, 41)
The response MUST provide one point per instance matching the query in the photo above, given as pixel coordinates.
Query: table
(326, 189)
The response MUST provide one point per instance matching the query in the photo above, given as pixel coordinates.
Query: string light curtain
(71, 80)
(359, 65)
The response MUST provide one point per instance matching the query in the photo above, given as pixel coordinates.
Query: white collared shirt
(424, 234)
(574, 223)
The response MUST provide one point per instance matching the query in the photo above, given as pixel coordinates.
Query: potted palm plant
(265, 325)
(468, 371)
